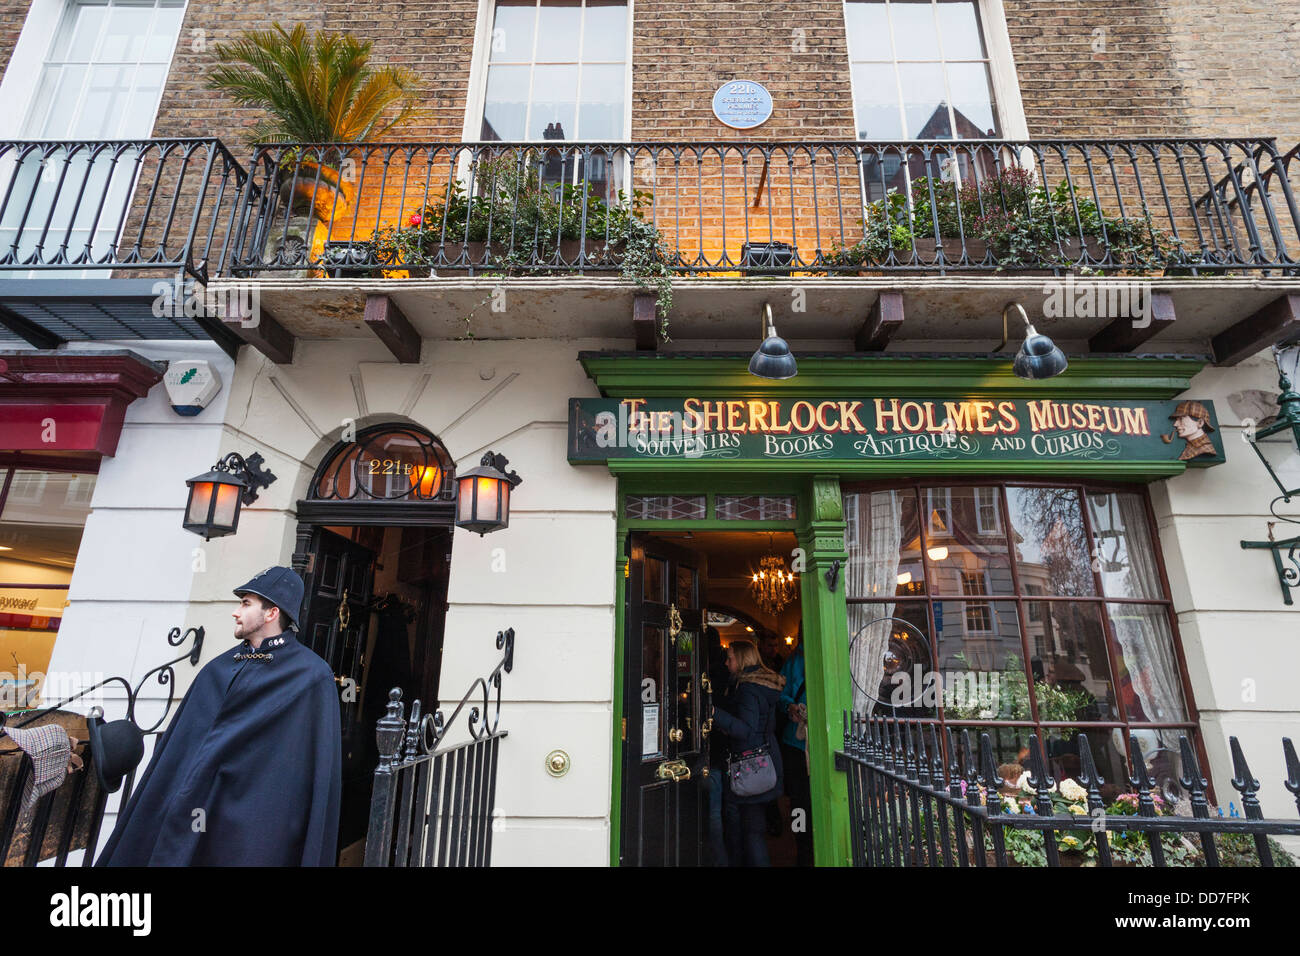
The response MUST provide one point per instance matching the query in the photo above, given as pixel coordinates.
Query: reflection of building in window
(979, 616)
(986, 511)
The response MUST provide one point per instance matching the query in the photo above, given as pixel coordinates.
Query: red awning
(57, 404)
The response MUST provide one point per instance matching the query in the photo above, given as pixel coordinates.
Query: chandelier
(772, 586)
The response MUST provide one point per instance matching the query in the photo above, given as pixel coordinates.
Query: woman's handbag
(752, 773)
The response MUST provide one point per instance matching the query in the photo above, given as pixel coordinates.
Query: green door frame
(819, 530)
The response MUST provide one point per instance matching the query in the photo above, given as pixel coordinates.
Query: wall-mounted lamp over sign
(483, 495)
(1278, 447)
(216, 497)
(1278, 443)
(1039, 357)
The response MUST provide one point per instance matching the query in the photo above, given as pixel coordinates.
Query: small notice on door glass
(649, 730)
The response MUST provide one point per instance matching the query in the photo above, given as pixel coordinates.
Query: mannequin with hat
(249, 773)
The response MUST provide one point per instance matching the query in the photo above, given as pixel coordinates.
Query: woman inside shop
(754, 772)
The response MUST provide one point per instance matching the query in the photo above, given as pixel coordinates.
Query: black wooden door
(663, 803)
(336, 626)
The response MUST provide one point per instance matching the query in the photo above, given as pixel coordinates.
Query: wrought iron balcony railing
(1181, 206)
(1152, 206)
(143, 204)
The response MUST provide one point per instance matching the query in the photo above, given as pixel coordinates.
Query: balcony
(1208, 230)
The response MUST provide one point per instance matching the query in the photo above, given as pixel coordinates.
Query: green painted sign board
(894, 430)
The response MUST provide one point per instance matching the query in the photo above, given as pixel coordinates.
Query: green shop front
(956, 545)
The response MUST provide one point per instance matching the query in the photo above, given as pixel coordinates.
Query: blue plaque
(742, 104)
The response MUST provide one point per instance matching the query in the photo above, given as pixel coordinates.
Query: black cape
(256, 745)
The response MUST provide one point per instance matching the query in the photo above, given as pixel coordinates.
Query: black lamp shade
(773, 359)
(1039, 357)
(482, 500)
(213, 507)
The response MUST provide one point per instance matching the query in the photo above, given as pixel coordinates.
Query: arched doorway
(374, 548)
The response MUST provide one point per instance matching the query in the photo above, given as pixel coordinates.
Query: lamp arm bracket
(500, 463)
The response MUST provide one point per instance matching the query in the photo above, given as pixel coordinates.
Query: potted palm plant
(315, 89)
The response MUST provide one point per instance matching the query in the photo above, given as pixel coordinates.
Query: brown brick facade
(1150, 67)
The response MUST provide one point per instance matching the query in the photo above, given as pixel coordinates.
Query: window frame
(1022, 599)
(1008, 106)
(471, 129)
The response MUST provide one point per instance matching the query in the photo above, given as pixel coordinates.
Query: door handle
(673, 770)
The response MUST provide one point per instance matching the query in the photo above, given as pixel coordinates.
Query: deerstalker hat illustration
(282, 587)
(1193, 410)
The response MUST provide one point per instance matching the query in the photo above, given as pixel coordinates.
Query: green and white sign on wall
(1082, 435)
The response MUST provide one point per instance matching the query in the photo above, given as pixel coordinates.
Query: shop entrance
(374, 548)
(690, 596)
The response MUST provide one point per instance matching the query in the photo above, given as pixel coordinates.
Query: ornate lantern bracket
(1287, 577)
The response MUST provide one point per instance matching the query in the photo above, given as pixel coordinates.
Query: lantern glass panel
(489, 508)
(1280, 452)
(465, 500)
(227, 508)
(200, 499)
(504, 513)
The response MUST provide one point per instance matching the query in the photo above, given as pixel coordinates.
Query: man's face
(1188, 427)
(251, 617)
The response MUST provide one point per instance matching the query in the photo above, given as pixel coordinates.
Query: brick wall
(1076, 82)
(1240, 67)
(12, 15)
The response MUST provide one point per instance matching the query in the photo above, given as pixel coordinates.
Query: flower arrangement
(522, 220)
(1009, 217)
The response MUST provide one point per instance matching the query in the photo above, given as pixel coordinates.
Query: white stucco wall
(550, 575)
(1243, 655)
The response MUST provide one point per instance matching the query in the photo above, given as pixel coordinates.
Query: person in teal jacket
(794, 752)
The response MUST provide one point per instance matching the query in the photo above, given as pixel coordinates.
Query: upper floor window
(921, 70)
(557, 70)
(104, 73)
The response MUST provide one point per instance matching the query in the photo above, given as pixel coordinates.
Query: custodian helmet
(282, 587)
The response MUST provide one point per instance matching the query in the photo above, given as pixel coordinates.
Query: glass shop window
(1049, 612)
(42, 517)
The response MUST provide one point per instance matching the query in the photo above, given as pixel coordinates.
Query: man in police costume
(249, 773)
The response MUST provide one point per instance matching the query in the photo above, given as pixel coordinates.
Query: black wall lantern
(217, 496)
(483, 495)
(1278, 447)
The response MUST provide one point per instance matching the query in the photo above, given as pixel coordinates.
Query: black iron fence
(95, 205)
(70, 817)
(921, 798)
(433, 807)
(1141, 205)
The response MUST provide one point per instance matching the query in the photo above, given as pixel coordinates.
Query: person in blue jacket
(794, 752)
(749, 722)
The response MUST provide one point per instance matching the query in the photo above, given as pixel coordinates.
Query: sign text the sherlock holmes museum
(892, 429)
